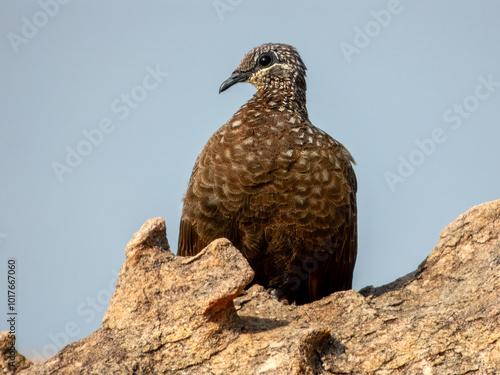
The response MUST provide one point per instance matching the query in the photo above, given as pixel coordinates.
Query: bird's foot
(278, 295)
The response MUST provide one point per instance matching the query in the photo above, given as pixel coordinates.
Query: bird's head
(271, 67)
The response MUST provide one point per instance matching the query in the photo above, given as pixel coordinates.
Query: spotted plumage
(282, 190)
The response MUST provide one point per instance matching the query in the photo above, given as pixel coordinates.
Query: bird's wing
(335, 272)
(214, 194)
(189, 242)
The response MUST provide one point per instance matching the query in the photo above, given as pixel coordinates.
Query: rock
(182, 315)
(6, 356)
(167, 313)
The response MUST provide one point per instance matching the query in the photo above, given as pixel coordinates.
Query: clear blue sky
(104, 107)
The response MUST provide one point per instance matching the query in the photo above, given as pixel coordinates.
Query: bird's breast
(285, 163)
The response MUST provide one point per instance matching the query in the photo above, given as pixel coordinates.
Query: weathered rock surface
(181, 315)
(6, 356)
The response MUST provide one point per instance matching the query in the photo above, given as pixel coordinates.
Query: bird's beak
(236, 77)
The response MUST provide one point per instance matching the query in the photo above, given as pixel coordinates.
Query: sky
(104, 107)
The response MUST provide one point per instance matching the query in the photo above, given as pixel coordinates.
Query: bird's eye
(265, 60)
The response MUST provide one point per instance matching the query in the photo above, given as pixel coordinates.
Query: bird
(280, 189)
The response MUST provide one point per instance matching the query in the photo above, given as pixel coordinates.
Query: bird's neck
(281, 100)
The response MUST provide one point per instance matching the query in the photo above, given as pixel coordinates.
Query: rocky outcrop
(11, 361)
(191, 315)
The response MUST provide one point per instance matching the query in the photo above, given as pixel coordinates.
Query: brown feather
(282, 190)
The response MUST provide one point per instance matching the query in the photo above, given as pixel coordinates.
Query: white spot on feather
(299, 200)
(313, 154)
(248, 141)
(326, 175)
